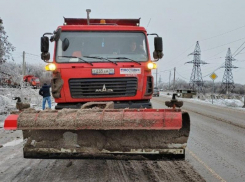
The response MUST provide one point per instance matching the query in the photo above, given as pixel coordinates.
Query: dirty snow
(231, 103)
(223, 102)
(13, 143)
(27, 95)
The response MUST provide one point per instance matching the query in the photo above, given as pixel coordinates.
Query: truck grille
(103, 87)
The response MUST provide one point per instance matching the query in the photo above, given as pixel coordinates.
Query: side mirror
(157, 54)
(45, 48)
(158, 43)
(65, 44)
(44, 44)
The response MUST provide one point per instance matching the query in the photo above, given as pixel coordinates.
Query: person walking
(45, 92)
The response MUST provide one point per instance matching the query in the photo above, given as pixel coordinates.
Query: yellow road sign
(213, 76)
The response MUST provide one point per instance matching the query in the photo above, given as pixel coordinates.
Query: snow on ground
(223, 102)
(27, 95)
(13, 143)
(231, 103)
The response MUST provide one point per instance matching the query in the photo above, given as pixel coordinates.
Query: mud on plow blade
(102, 133)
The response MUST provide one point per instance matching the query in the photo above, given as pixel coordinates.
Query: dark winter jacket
(44, 91)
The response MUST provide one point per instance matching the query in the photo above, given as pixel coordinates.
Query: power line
(239, 51)
(242, 53)
(207, 49)
(213, 71)
(33, 54)
(239, 48)
(222, 33)
(181, 76)
(211, 38)
(216, 54)
(224, 44)
(214, 59)
(181, 53)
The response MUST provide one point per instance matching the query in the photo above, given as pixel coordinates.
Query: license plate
(102, 71)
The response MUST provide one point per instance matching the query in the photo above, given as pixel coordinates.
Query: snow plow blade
(103, 133)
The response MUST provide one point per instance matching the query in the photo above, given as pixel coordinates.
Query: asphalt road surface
(216, 145)
(215, 152)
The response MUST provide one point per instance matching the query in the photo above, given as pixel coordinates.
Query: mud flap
(56, 84)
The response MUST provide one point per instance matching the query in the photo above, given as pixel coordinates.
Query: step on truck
(102, 83)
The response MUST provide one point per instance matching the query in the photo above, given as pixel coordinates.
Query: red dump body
(34, 81)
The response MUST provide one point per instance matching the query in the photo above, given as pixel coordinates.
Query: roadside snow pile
(169, 94)
(4, 100)
(6, 104)
(27, 95)
(233, 103)
(223, 102)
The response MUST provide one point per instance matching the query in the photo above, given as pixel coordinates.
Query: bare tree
(5, 46)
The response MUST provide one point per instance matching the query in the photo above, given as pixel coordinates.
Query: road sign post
(213, 76)
(244, 100)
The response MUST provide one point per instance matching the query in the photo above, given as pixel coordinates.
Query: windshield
(111, 45)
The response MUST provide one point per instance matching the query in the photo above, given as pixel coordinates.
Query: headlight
(50, 67)
(151, 65)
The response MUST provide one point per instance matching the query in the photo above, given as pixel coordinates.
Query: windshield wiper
(77, 58)
(102, 58)
(126, 58)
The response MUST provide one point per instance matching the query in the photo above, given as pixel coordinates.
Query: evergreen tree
(5, 46)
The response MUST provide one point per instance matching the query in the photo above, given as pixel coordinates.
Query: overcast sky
(216, 24)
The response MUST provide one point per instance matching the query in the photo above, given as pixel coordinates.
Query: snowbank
(223, 102)
(234, 103)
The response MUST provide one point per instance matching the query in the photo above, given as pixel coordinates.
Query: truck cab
(32, 80)
(102, 60)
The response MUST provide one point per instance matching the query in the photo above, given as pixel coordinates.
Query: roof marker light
(102, 21)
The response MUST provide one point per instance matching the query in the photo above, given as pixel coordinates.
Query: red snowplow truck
(102, 84)
(32, 80)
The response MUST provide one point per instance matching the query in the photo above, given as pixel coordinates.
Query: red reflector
(10, 122)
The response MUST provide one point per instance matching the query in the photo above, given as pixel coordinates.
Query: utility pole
(24, 64)
(244, 100)
(196, 82)
(227, 83)
(169, 80)
(156, 77)
(174, 78)
(160, 80)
